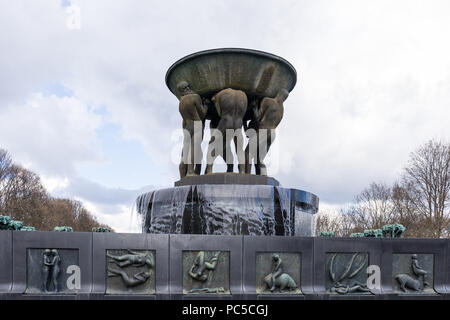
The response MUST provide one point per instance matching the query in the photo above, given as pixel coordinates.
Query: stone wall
(77, 265)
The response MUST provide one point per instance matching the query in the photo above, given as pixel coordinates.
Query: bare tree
(337, 222)
(372, 208)
(426, 180)
(325, 222)
(420, 201)
(68, 212)
(5, 170)
(24, 198)
(23, 195)
(5, 164)
(406, 214)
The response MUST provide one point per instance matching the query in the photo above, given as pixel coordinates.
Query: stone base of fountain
(243, 265)
(221, 204)
(227, 178)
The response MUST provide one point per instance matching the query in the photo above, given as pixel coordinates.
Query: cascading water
(283, 212)
(235, 209)
(225, 210)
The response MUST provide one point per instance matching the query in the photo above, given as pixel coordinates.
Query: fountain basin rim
(231, 51)
(306, 199)
(227, 178)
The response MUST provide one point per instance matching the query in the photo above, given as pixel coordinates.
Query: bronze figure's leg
(212, 152)
(46, 272)
(55, 274)
(240, 152)
(265, 141)
(248, 167)
(196, 133)
(227, 153)
(183, 167)
(198, 166)
(190, 165)
(251, 150)
(137, 279)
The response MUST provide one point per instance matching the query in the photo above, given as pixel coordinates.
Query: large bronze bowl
(257, 73)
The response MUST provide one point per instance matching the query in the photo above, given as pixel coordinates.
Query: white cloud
(50, 134)
(110, 200)
(374, 80)
(51, 184)
(73, 21)
(112, 206)
(124, 221)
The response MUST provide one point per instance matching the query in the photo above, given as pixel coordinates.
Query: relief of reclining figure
(345, 282)
(137, 279)
(136, 259)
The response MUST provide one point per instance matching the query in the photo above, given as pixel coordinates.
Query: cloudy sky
(84, 104)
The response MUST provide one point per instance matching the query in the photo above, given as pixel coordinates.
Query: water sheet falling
(225, 210)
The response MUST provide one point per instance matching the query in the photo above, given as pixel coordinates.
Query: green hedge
(63, 229)
(100, 229)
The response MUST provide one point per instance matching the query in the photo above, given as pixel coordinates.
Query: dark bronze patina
(257, 73)
(230, 87)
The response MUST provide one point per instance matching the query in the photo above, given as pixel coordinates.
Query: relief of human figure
(266, 117)
(51, 269)
(193, 111)
(200, 267)
(231, 106)
(417, 283)
(277, 269)
(135, 280)
(277, 278)
(417, 269)
(137, 259)
(353, 287)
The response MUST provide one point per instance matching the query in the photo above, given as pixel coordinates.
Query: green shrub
(28, 228)
(373, 233)
(63, 229)
(100, 229)
(15, 225)
(4, 222)
(393, 230)
(357, 235)
(326, 234)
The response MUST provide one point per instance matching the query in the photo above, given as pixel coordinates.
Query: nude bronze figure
(231, 106)
(193, 110)
(136, 259)
(265, 119)
(135, 280)
(200, 268)
(51, 269)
